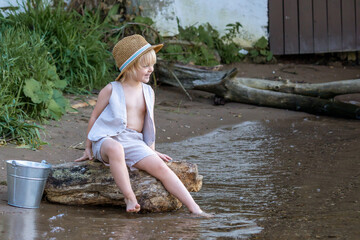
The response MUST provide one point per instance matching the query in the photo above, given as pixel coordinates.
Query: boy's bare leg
(157, 168)
(113, 152)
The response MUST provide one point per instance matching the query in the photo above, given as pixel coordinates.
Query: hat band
(133, 57)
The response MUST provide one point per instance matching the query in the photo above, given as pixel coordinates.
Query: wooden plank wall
(357, 7)
(306, 27)
(314, 26)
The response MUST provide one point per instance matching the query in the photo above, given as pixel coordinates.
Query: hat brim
(156, 48)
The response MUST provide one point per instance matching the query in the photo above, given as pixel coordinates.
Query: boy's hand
(164, 157)
(86, 156)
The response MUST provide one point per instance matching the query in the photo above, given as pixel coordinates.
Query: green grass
(73, 41)
(47, 51)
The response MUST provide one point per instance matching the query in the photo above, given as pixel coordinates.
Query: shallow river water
(255, 174)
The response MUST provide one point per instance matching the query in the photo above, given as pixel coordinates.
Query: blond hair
(147, 59)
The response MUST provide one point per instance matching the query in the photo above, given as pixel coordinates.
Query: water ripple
(229, 159)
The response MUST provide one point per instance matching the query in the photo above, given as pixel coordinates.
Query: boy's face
(144, 72)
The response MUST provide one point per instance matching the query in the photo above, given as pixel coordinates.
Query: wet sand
(315, 176)
(327, 209)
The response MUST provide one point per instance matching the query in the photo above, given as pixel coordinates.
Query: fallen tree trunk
(286, 95)
(91, 183)
(322, 90)
(236, 91)
(189, 76)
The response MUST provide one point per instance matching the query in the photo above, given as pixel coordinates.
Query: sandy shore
(176, 117)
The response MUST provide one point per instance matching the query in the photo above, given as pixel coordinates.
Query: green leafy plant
(261, 53)
(29, 74)
(195, 45)
(228, 49)
(16, 128)
(43, 54)
(74, 41)
(232, 30)
(203, 45)
(29, 86)
(138, 25)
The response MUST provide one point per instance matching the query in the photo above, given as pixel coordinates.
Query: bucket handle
(46, 163)
(13, 163)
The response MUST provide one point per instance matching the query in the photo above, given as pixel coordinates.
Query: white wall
(9, 3)
(252, 14)
(6, 3)
(15, 3)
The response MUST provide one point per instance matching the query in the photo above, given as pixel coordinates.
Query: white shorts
(135, 148)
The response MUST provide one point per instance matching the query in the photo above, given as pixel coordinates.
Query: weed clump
(46, 52)
(204, 46)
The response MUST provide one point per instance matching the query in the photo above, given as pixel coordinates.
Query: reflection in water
(110, 223)
(230, 159)
(20, 225)
(248, 169)
(233, 188)
(315, 176)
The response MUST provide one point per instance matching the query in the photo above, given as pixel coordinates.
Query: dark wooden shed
(314, 26)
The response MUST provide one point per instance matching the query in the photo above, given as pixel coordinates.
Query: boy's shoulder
(108, 87)
(107, 90)
(148, 88)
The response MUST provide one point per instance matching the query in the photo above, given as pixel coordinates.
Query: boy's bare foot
(202, 214)
(132, 206)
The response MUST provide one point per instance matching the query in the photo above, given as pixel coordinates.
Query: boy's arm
(102, 102)
(164, 157)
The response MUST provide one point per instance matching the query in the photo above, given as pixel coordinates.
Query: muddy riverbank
(296, 175)
(315, 174)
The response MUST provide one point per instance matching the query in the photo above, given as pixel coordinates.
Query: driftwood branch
(188, 75)
(322, 90)
(180, 84)
(311, 98)
(238, 92)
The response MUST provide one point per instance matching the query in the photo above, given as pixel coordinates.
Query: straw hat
(129, 49)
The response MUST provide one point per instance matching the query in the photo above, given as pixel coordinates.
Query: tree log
(311, 98)
(240, 93)
(91, 183)
(189, 76)
(322, 90)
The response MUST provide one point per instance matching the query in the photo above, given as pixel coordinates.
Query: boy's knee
(163, 170)
(113, 147)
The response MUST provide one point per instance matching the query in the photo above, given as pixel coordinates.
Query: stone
(91, 183)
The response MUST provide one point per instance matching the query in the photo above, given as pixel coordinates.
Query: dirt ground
(177, 117)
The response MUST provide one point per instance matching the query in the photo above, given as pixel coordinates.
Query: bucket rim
(33, 164)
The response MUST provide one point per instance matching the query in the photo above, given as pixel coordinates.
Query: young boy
(121, 129)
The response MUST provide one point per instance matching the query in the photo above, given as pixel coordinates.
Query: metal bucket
(26, 182)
